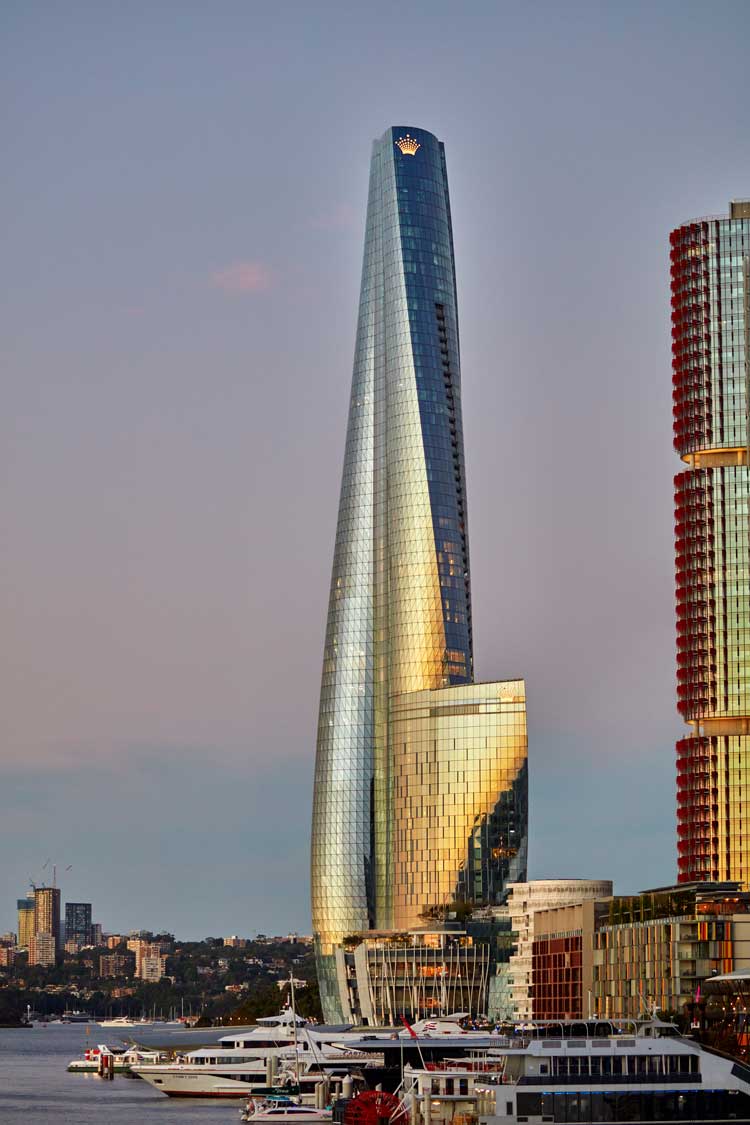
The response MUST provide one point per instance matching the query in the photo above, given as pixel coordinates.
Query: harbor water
(36, 1087)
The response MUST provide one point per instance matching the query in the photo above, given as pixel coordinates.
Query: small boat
(126, 1021)
(122, 1062)
(282, 1109)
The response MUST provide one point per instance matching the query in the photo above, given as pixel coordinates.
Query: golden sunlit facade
(459, 796)
(399, 616)
(710, 263)
(25, 922)
(47, 912)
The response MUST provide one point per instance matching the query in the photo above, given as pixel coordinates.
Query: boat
(283, 1109)
(269, 1031)
(276, 1057)
(593, 1071)
(284, 1051)
(232, 1069)
(126, 1022)
(122, 1060)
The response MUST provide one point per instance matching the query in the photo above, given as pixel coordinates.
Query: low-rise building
(562, 960)
(116, 965)
(122, 992)
(525, 900)
(655, 949)
(384, 975)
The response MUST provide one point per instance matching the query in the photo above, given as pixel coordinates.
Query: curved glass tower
(414, 805)
(710, 272)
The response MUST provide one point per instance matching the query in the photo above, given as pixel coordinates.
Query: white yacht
(286, 1053)
(266, 1113)
(213, 1072)
(279, 1055)
(584, 1072)
(126, 1022)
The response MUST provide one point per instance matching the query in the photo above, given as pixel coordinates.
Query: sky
(183, 196)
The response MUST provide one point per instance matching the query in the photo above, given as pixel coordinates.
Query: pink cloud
(242, 277)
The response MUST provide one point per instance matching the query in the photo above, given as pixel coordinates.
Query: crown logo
(408, 145)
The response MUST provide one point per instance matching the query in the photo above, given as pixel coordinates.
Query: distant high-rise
(78, 922)
(711, 357)
(420, 777)
(25, 921)
(47, 916)
(43, 949)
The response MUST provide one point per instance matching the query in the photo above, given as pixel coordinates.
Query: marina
(583, 1071)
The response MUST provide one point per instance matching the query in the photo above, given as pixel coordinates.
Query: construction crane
(45, 865)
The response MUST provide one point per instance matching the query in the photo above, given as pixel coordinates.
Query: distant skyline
(182, 210)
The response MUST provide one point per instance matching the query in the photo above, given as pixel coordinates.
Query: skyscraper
(711, 354)
(47, 911)
(420, 777)
(78, 922)
(25, 921)
(46, 924)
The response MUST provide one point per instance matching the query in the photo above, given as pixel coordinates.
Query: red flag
(409, 1028)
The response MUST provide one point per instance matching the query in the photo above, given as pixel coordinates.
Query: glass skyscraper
(710, 265)
(420, 778)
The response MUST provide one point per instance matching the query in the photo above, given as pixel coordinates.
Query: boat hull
(202, 1083)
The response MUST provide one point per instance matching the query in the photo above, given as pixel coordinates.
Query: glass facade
(399, 618)
(78, 922)
(459, 796)
(709, 271)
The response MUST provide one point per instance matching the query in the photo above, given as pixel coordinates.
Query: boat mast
(294, 1024)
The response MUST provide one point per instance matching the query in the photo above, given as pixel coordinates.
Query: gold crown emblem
(408, 145)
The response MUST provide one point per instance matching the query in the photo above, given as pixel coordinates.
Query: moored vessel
(122, 1060)
(284, 1110)
(584, 1072)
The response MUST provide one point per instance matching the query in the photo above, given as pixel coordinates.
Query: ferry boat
(123, 1060)
(584, 1072)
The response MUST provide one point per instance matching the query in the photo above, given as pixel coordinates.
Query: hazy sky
(183, 200)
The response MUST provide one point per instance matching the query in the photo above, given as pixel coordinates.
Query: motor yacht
(283, 1110)
(119, 1022)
